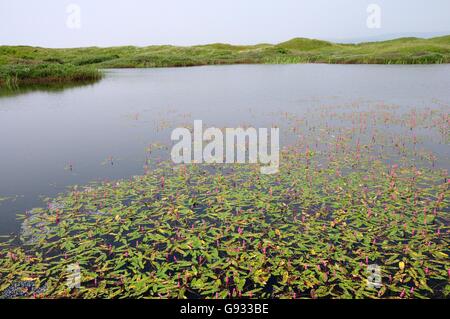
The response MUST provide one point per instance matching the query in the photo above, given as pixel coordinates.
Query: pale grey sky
(186, 22)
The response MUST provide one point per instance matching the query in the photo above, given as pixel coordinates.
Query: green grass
(30, 65)
(14, 75)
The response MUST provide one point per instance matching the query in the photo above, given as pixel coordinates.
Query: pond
(108, 130)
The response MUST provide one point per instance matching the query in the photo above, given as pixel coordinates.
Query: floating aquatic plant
(348, 195)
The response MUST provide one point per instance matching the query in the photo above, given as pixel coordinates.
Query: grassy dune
(14, 75)
(30, 65)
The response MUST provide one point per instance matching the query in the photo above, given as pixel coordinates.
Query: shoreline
(54, 81)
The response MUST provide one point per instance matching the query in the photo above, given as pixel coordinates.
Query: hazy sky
(184, 22)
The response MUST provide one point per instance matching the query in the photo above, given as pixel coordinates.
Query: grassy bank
(25, 65)
(15, 75)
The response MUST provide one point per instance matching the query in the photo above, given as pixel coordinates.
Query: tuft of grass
(15, 75)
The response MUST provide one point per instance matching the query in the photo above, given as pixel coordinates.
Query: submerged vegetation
(355, 188)
(20, 65)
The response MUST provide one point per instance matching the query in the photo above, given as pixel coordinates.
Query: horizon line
(336, 41)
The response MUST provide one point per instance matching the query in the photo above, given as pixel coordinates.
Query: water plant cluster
(13, 76)
(354, 189)
(23, 65)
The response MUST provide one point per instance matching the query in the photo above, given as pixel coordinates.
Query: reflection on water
(53, 87)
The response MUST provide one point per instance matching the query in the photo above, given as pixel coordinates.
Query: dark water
(52, 139)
